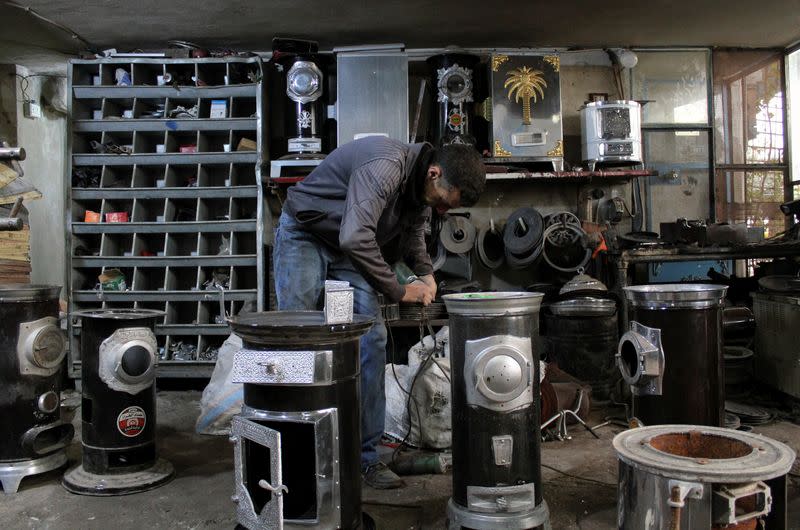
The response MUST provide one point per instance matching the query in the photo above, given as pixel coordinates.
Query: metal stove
(673, 350)
(454, 79)
(611, 133)
(118, 404)
(495, 402)
(297, 441)
(688, 476)
(32, 347)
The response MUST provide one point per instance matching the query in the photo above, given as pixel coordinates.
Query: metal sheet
(542, 138)
(777, 360)
(372, 92)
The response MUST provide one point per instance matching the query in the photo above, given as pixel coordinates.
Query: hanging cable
(53, 23)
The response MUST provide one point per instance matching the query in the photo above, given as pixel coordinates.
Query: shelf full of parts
(164, 200)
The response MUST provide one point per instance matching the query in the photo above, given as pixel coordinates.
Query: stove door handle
(276, 490)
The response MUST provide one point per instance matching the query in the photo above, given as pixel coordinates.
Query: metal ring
(458, 234)
(516, 261)
(523, 231)
(495, 237)
(564, 217)
(579, 234)
(438, 259)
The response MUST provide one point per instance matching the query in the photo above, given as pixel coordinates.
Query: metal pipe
(12, 153)
(675, 510)
(15, 209)
(10, 224)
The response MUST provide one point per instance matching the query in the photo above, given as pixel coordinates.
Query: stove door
(304, 492)
(259, 497)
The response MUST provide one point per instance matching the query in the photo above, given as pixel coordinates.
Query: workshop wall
(8, 104)
(581, 74)
(45, 141)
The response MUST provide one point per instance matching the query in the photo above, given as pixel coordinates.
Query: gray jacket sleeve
(370, 188)
(417, 252)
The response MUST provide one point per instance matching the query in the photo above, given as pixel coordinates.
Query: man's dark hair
(462, 168)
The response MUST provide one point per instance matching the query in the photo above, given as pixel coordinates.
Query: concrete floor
(199, 496)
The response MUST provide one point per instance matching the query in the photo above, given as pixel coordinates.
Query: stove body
(495, 403)
(689, 476)
(118, 404)
(32, 348)
(673, 350)
(297, 441)
(611, 133)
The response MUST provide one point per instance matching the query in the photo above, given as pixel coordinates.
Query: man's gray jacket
(365, 199)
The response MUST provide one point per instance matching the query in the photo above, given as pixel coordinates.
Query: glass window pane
(752, 197)
(793, 84)
(681, 188)
(676, 83)
(748, 104)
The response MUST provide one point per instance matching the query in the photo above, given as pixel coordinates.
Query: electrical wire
(25, 84)
(578, 477)
(428, 358)
(30, 11)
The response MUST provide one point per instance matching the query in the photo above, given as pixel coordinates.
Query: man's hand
(431, 283)
(418, 292)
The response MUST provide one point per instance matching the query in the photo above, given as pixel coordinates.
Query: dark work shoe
(380, 477)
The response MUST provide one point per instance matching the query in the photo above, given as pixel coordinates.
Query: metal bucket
(583, 334)
(688, 476)
(495, 407)
(672, 354)
(118, 404)
(32, 348)
(297, 442)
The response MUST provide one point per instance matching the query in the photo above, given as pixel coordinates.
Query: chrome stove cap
(493, 303)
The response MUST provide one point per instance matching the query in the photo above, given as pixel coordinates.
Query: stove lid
(20, 292)
(302, 327)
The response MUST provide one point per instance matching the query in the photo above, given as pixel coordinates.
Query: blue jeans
(302, 264)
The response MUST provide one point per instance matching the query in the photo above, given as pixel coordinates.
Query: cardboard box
(246, 145)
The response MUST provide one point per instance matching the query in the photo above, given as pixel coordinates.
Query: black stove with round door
(32, 348)
(673, 350)
(118, 405)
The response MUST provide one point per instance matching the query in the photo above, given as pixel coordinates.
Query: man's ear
(434, 172)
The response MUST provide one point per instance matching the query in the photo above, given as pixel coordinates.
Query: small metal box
(338, 302)
(525, 109)
(611, 132)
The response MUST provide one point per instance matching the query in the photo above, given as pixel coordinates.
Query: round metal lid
(584, 306)
(676, 295)
(583, 282)
(119, 314)
(21, 292)
(754, 457)
(781, 283)
(493, 304)
(612, 103)
(270, 327)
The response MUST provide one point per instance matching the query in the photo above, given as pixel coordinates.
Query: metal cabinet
(163, 185)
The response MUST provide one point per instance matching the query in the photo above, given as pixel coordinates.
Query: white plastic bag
(222, 398)
(431, 396)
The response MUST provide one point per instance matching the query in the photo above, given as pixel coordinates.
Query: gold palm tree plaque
(526, 83)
